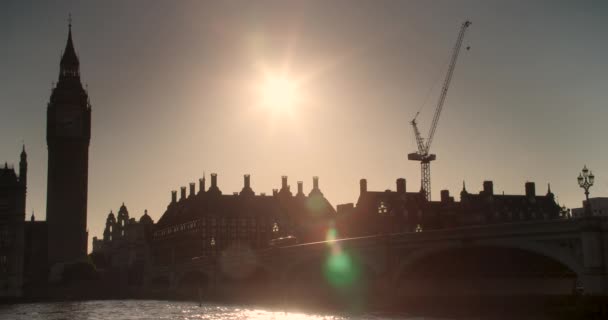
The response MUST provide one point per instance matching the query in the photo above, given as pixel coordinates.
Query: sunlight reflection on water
(150, 309)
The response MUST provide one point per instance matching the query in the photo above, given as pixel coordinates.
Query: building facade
(68, 135)
(378, 212)
(209, 222)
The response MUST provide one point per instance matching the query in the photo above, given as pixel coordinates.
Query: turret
(23, 168)
(284, 186)
(315, 187)
(192, 185)
(247, 191)
(300, 189)
(213, 189)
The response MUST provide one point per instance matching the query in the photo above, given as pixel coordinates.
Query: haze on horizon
(177, 89)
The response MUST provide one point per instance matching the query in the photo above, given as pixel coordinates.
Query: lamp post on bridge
(585, 181)
(214, 263)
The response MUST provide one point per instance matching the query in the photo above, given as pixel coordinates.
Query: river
(152, 309)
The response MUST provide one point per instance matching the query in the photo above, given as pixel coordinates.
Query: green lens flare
(332, 234)
(340, 270)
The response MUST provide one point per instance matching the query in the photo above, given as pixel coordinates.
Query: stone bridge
(571, 254)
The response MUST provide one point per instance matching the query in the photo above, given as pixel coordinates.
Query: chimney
(214, 180)
(201, 185)
(445, 196)
(183, 194)
(300, 187)
(275, 192)
(315, 182)
(362, 186)
(488, 187)
(283, 182)
(401, 185)
(246, 182)
(192, 189)
(530, 189)
(173, 196)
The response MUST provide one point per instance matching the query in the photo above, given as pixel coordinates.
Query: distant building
(202, 223)
(599, 207)
(378, 212)
(125, 246)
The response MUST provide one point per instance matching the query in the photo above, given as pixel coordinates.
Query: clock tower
(68, 135)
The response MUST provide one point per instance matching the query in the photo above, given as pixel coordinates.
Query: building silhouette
(203, 223)
(378, 212)
(12, 228)
(68, 135)
(125, 245)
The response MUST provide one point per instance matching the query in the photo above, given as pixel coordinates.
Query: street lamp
(585, 181)
(214, 262)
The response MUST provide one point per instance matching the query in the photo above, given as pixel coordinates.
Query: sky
(180, 88)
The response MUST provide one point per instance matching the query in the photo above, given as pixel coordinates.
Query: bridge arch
(562, 256)
(489, 268)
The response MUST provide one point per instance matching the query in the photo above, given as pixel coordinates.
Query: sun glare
(279, 92)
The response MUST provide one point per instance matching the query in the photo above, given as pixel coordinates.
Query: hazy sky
(173, 85)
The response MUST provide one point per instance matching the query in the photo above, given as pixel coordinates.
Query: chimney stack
(362, 186)
(445, 196)
(214, 180)
(246, 182)
(488, 187)
(183, 194)
(300, 187)
(173, 196)
(530, 189)
(401, 185)
(275, 192)
(283, 182)
(315, 182)
(201, 185)
(192, 189)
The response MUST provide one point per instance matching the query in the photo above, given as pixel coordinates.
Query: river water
(151, 309)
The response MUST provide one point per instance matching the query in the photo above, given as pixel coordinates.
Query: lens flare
(340, 269)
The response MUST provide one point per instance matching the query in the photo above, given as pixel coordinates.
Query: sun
(279, 92)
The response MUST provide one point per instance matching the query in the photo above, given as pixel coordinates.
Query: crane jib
(423, 155)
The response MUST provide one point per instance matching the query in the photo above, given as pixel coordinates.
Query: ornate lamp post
(214, 262)
(585, 181)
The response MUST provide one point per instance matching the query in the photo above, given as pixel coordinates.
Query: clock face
(68, 122)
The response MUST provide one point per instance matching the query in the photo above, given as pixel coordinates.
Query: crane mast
(423, 155)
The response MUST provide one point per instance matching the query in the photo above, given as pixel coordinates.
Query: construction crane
(424, 148)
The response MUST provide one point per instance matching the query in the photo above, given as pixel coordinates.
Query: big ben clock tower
(68, 135)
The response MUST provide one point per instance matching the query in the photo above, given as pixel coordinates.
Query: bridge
(524, 258)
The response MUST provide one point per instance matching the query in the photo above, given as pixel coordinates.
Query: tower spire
(69, 61)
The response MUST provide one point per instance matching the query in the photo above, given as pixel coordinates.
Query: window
(382, 209)
(275, 227)
(418, 228)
